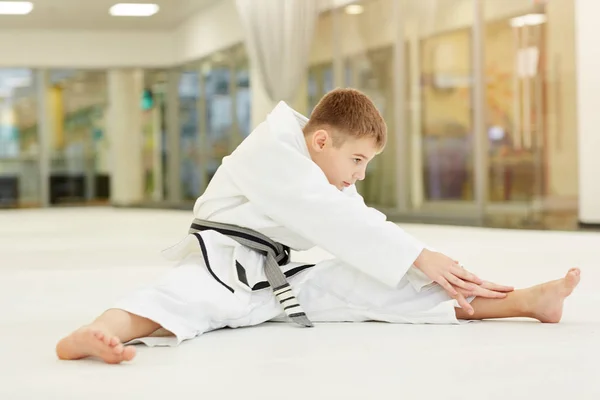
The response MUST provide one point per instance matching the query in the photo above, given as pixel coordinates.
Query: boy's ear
(319, 139)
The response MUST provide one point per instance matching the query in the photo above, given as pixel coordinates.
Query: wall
(562, 140)
(432, 17)
(208, 31)
(85, 49)
(588, 117)
(201, 34)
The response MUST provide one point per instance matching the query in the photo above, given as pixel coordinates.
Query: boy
(290, 184)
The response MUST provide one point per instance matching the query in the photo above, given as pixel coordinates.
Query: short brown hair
(348, 113)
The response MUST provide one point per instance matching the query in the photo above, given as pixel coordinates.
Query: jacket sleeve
(415, 276)
(292, 190)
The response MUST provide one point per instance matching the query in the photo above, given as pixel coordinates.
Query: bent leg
(543, 302)
(186, 302)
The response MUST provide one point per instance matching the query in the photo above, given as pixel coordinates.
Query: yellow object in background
(57, 115)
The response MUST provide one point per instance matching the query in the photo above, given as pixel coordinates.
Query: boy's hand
(450, 275)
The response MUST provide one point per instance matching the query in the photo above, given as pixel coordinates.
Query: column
(588, 118)
(124, 130)
(413, 114)
(45, 129)
(402, 140)
(261, 104)
(173, 138)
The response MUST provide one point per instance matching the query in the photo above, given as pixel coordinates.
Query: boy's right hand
(448, 273)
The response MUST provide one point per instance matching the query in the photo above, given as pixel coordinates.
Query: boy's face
(343, 165)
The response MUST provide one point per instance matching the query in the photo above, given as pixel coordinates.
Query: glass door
(79, 153)
(515, 66)
(440, 108)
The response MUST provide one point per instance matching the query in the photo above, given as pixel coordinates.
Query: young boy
(290, 184)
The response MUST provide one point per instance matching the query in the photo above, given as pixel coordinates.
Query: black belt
(276, 255)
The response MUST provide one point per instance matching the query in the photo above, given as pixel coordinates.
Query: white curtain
(279, 34)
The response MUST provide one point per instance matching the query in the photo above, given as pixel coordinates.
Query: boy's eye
(357, 160)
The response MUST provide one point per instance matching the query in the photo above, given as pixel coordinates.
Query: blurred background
(490, 104)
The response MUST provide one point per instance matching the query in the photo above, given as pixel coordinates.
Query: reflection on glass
(219, 113)
(320, 81)
(242, 92)
(153, 111)
(372, 74)
(19, 145)
(320, 65)
(440, 98)
(515, 63)
(79, 149)
(189, 94)
(367, 35)
(215, 101)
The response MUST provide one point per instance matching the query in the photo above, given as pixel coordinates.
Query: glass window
(79, 159)
(153, 110)
(189, 95)
(440, 112)
(19, 140)
(215, 115)
(320, 69)
(218, 79)
(320, 81)
(531, 113)
(368, 54)
(242, 91)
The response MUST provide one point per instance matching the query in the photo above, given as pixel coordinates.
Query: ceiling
(93, 14)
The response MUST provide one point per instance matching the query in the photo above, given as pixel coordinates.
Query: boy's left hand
(487, 290)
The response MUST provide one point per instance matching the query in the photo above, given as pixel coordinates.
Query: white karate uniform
(270, 184)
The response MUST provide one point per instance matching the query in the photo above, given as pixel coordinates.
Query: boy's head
(345, 131)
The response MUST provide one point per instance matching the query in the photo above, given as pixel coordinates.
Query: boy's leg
(335, 292)
(543, 302)
(105, 336)
(186, 302)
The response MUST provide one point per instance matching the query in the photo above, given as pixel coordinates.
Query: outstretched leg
(543, 302)
(105, 336)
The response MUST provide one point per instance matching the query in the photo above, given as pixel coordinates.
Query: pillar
(45, 129)
(124, 128)
(587, 54)
(173, 184)
(261, 104)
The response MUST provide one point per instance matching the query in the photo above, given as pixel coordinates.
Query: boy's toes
(118, 349)
(128, 353)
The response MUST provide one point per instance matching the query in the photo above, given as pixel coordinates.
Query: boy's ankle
(526, 304)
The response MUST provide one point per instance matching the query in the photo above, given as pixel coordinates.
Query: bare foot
(90, 341)
(548, 298)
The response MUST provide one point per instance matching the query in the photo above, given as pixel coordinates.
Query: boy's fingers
(447, 287)
(465, 275)
(455, 294)
(464, 304)
(490, 294)
(496, 287)
(459, 282)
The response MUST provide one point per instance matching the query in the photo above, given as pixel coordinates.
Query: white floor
(60, 268)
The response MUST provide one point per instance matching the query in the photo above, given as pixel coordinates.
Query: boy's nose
(360, 175)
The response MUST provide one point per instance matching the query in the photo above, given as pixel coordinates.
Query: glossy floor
(61, 267)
